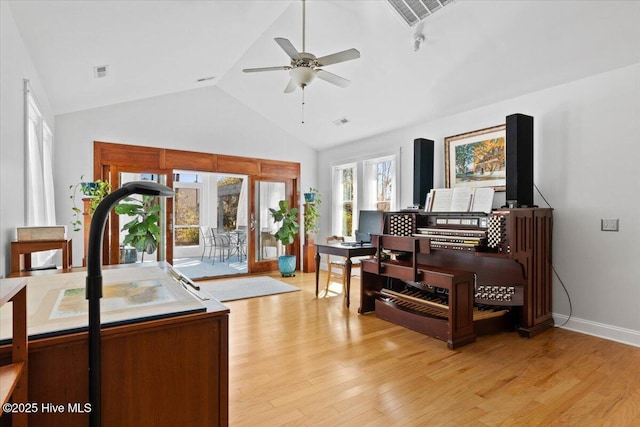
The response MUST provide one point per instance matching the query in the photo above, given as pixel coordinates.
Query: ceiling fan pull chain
(303, 104)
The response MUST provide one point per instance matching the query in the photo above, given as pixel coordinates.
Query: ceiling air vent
(204, 79)
(341, 121)
(100, 71)
(414, 11)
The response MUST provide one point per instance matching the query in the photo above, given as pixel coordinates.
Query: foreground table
(164, 352)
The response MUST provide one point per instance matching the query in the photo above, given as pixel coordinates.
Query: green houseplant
(311, 221)
(95, 191)
(312, 214)
(143, 230)
(286, 234)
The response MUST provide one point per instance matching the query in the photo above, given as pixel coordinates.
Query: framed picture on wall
(476, 159)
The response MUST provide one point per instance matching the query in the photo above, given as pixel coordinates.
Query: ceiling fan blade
(334, 58)
(290, 87)
(256, 70)
(288, 48)
(332, 78)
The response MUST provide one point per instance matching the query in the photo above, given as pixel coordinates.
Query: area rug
(246, 287)
(193, 268)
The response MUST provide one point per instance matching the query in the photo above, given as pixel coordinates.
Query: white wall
(586, 165)
(205, 120)
(15, 65)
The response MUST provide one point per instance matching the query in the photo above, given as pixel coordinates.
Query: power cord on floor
(554, 269)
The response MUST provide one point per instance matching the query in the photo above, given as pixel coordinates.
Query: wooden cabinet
(13, 376)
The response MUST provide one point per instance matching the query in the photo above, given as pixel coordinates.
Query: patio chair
(221, 244)
(207, 240)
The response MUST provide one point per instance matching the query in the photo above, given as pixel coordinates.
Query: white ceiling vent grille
(100, 71)
(414, 11)
(341, 121)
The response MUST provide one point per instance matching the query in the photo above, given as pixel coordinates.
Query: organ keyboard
(454, 276)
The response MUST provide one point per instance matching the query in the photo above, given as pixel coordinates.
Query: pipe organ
(454, 276)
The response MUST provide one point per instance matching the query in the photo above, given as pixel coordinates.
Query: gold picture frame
(476, 159)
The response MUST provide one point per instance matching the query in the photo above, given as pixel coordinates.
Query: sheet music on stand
(460, 199)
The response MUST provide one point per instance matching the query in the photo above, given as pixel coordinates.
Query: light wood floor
(300, 361)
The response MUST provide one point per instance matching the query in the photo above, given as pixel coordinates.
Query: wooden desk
(21, 252)
(347, 252)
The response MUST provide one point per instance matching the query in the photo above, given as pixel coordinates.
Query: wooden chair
(338, 262)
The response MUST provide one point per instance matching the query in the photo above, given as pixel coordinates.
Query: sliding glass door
(228, 195)
(155, 240)
(265, 249)
(210, 223)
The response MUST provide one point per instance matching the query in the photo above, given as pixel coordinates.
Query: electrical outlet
(609, 224)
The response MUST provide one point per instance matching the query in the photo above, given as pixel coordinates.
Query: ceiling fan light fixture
(302, 75)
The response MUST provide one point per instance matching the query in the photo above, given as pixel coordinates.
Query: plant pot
(89, 188)
(309, 197)
(128, 255)
(287, 265)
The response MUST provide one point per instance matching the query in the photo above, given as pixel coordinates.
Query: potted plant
(286, 234)
(312, 214)
(94, 191)
(143, 230)
(311, 221)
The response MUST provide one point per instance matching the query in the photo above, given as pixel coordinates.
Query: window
(187, 201)
(379, 192)
(344, 199)
(367, 185)
(187, 223)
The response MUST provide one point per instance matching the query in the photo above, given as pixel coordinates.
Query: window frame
(362, 198)
(338, 222)
(370, 195)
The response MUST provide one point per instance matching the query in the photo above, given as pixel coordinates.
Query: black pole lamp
(94, 280)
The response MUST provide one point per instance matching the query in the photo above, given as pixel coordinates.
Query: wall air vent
(100, 71)
(414, 11)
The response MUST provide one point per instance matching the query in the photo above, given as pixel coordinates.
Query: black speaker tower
(519, 159)
(422, 170)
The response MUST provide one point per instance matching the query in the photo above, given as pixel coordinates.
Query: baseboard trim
(600, 330)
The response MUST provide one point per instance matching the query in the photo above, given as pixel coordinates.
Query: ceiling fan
(305, 66)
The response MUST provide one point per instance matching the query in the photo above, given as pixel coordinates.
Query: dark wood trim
(112, 158)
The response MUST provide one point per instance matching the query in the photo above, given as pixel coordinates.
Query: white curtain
(395, 184)
(336, 204)
(241, 214)
(339, 198)
(39, 194)
(369, 184)
(270, 195)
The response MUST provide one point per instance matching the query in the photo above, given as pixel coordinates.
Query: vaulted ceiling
(475, 53)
